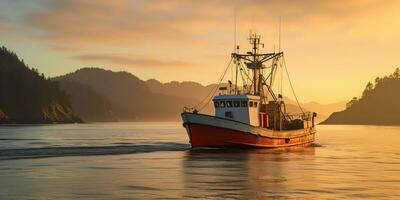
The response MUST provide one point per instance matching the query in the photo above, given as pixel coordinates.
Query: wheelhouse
(243, 108)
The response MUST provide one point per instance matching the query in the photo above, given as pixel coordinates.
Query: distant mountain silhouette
(378, 105)
(129, 97)
(125, 97)
(184, 89)
(180, 89)
(87, 103)
(28, 97)
(325, 109)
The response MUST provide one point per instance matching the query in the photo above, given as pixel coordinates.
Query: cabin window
(255, 104)
(236, 104)
(229, 114)
(222, 104)
(250, 104)
(228, 103)
(244, 103)
(216, 104)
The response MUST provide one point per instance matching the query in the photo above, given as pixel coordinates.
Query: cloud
(127, 22)
(112, 22)
(133, 60)
(5, 25)
(188, 30)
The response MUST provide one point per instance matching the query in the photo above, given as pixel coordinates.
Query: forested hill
(28, 97)
(123, 96)
(378, 105)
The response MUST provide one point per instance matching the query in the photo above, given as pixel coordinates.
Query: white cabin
(243, 108)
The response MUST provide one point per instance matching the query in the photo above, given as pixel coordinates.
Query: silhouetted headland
(378, 105)
(29, 97)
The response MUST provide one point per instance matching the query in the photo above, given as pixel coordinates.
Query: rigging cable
(281, 81)
(230, 85)
(245, 72)
(248, 77)
(214, 89)
(291, 86)
(273, 72)
(244, 81)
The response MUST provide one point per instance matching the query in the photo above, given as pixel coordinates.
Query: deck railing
(300, 116)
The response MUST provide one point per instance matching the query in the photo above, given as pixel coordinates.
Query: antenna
(234, 26)
(280, 22)
(280, 25)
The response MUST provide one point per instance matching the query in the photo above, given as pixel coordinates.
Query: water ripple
(9, 154)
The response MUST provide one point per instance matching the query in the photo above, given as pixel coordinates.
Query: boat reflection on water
(247, 173)
(297, 149)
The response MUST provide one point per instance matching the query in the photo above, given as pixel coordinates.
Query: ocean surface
(154, 161)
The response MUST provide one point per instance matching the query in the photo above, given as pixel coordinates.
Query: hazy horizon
(331, 49)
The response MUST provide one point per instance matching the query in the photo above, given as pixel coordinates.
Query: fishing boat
(251, 115)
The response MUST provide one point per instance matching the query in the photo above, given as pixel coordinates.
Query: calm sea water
(154, 161)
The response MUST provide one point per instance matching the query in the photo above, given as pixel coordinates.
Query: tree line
(370, 87)
(25, 94)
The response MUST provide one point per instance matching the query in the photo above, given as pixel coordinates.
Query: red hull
(206, 135)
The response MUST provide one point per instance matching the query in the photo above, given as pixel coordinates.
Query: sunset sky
(332, 48)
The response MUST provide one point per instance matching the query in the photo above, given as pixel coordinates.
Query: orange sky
(333, 48)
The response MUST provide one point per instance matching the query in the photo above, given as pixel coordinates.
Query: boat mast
(254, 61)
(255, 42)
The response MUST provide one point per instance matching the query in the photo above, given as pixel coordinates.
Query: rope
(214, 89)
(291, 86)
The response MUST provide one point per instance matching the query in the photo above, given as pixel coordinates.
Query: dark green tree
(396, 73)
(28, 97)
(368, 88)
